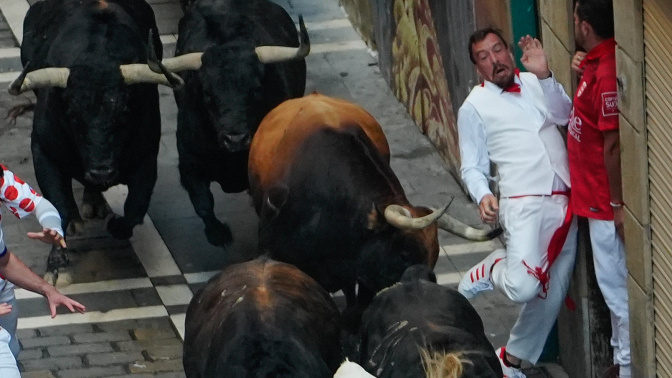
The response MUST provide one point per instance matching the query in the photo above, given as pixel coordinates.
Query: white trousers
(9, 321)
(8, 368)
(529, 224)
(612, 278)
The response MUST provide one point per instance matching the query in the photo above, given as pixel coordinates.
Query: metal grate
(658, 53)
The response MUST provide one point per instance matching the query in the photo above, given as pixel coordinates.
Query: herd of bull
(333, 215)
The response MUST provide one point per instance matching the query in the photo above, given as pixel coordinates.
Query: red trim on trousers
(554, 247)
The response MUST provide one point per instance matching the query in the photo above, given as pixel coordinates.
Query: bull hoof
(75, 228)
(219, 234)
(94, 205)
(63, 278)
(95, 210)
(119, 228)
(50, 277)
(58, 258)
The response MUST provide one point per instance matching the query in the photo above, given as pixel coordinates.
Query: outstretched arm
(48, 236)
(23, 200)
(18, 273)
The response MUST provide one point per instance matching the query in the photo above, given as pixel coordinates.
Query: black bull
(97, 112)
(238, 59)
(261, 319)
(418, 326)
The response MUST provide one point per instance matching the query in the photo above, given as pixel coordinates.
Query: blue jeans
(8, 368)
(9, 321)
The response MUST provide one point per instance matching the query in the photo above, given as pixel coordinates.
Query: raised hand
(534, 57)
(48, 236)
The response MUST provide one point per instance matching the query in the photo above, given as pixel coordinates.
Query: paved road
(137, 291)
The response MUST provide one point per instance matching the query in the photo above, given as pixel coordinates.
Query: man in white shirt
(510, 119)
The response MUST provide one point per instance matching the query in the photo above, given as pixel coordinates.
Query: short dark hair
(599, 14)
(480, 35)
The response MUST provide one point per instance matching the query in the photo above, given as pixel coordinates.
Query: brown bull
(330, 203)
(276, 144)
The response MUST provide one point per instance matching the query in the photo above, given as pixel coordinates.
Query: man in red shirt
(595, 168)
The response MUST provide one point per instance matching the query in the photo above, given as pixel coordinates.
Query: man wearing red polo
(595, 168)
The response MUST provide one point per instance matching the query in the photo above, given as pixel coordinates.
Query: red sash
(554, 247)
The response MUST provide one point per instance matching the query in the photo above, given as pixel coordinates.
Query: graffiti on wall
(418, 77)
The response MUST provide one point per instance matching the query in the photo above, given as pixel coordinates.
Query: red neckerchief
(513, 87)
(605, 47)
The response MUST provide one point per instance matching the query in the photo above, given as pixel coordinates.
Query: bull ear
(375, 219)
(277, 197)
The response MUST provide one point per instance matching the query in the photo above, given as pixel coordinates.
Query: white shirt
(472, 136)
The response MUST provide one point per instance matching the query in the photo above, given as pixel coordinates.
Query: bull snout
(101, 176)
(236, 142)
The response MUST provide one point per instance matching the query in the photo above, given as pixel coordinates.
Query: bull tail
(443, 364)
(452, 225)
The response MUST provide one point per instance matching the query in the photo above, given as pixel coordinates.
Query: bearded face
(494, 61)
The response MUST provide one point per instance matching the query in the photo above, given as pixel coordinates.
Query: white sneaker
(477, 278)
(509, 372)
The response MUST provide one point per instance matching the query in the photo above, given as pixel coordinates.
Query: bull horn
(156, 66)
(401, 218)
(140, 73)
(42, 78)
(191, 61)
(275, 54)
(454, 226)
(152, 59)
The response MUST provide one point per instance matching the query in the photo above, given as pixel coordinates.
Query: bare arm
(18, 273)
(612, 161)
